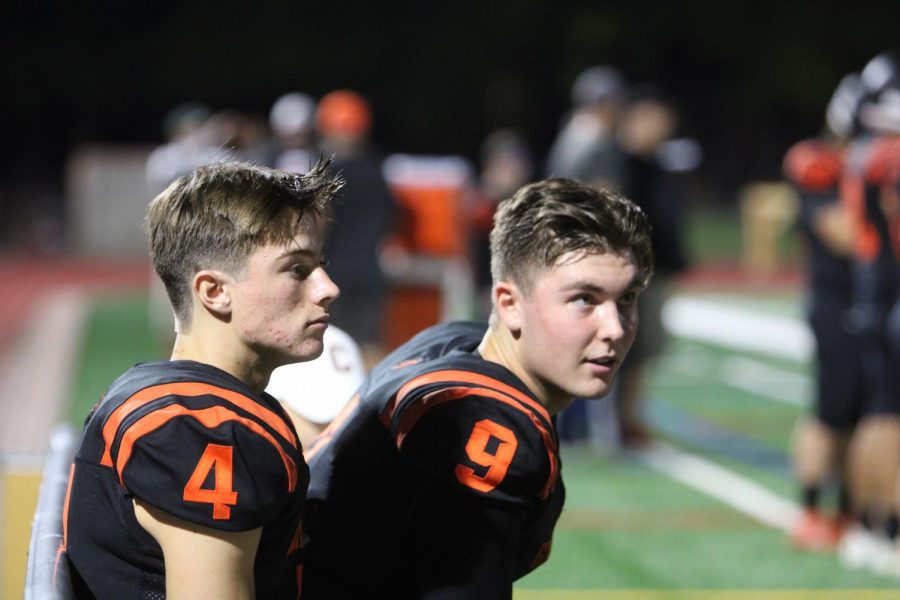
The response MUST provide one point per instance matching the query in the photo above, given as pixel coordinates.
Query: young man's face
(577, 324)
(281, 300)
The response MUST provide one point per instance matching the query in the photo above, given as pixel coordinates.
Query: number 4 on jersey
(497, 463)
(217, 459)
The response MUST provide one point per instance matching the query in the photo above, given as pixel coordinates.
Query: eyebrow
(297, 253)
(634, 284)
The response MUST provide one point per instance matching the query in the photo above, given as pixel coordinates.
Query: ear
(211, 289)
(508, 305)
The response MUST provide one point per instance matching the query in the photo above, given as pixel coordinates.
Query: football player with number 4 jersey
(441, 477)
(189, 480)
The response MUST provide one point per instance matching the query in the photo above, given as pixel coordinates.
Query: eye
(583, 300)
(324, 262)
(300, 270)
(628, 299)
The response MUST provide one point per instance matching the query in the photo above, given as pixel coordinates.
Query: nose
(611, 327)
(326, 291)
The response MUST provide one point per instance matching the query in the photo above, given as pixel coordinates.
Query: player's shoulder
(813, 165)
(165, 429)
(423, 352)
(475, 425)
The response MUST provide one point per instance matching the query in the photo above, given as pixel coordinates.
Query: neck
(500, 346)
(224, 354)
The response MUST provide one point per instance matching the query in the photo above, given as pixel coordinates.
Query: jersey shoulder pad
(485, 438)
(209, 465)
(813, 165)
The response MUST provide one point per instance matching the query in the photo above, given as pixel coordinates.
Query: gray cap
(598, 84)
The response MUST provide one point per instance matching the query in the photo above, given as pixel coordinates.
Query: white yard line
(767, 381)
(738, 329)
(738, 492)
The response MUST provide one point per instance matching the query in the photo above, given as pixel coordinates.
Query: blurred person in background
(315, 391)
(871, 191)
(814, 167)
(184, 148)
(363, 217)
(586, 147)
(292, 125)
(506, 165)
(653, 178)
(441, 479)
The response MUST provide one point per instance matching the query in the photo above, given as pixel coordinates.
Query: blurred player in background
(441, 478)
(363, 217)
(654, 165)
(814, 168)
(871, 191)
(291, 121)
(587, 147)
(506, 165)
(189, 481)
(315, 391)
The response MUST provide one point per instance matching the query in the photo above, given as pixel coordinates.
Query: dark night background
(751, 77)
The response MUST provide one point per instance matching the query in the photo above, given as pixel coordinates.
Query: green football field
(697, 517)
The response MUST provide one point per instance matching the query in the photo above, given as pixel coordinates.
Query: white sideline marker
(738, 329)
(741, 494)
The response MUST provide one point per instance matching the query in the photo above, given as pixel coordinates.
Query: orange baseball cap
(343, 112)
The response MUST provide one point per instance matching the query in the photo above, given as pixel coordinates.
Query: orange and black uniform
(440, 479)
(871, 190)
(196, 443)
(814, 168)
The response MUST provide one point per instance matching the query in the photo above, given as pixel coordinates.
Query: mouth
(606, 362)
(323, 321)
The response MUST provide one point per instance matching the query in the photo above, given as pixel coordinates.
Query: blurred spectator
(819, 441)
(292, 122)
(362, 219)
(314, 392)
(653, 178)
(506, 165)
(586, 147)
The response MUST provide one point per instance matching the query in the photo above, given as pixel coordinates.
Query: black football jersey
(442, 466)
(195, 442)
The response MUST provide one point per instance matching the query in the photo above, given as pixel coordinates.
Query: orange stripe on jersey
(209, 417)
(457, 376)
(412, 415)
(189, 388)
(323, 438)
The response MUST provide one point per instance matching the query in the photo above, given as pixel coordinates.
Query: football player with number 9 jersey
(441, 477)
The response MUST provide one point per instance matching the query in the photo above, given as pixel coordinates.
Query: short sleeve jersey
(813, 167)
(196, 443)
(434, 419)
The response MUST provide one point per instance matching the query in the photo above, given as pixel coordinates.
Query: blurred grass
(712, 236)
(117, 336)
